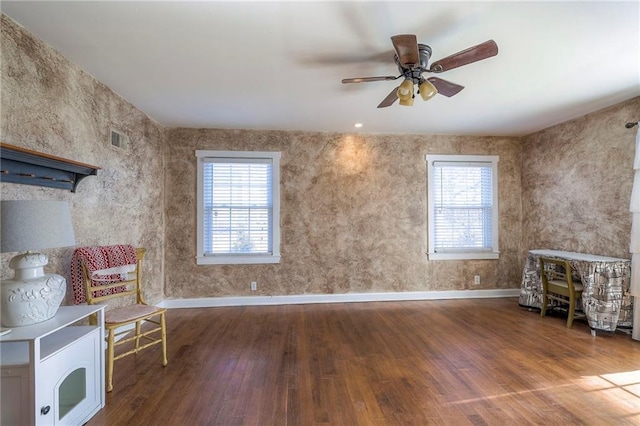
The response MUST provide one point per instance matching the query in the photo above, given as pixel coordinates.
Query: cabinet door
(16, 403)
(68, 386)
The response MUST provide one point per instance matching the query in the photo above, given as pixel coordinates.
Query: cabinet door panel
(68, 387)
(15, 396)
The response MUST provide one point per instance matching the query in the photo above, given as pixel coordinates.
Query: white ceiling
(279, 65)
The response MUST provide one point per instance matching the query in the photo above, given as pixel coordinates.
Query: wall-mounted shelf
(21, 165)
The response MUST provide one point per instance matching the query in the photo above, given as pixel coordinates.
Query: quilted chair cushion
(130, 313)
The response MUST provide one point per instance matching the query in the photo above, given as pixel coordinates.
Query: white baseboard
(212, 302)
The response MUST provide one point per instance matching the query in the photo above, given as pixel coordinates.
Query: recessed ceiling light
(357, 125)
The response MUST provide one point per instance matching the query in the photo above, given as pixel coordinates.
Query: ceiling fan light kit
(427, 90)
(408, 101)
(412, 61)
(405, 93)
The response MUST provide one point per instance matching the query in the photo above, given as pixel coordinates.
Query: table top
(65, 316)
(577, 256)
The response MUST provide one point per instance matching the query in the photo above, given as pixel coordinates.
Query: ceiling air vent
(119, 140)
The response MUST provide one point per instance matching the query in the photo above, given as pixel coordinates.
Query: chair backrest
(559, 273)
(130, 286)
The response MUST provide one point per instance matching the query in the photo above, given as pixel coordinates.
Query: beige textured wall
(353, 206)
(353, 215)
(50, 105)
(577, 179)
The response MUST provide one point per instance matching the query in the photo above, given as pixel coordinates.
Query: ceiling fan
(412, 58)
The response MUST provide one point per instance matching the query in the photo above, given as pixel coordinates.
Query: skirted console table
(606, 301)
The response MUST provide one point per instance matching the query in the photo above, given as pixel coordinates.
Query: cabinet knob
(45, 410)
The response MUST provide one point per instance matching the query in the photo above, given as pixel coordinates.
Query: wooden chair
(133, 313)
(558, 285)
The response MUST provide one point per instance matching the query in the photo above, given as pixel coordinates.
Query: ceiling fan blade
(367, 79)
(406, 46)
(473, 54)
(390, 99)
(445, 87)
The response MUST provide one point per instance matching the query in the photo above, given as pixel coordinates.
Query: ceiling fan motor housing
(415, 73)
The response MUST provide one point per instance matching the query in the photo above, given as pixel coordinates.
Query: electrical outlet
(254, 286)
(476, 280)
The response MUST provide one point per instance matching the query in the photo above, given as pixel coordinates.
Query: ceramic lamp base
(30, 301)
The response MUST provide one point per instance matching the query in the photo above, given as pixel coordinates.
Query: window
(462, 198)
(238, 207)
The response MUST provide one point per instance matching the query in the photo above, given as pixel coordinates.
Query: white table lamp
(33, 296)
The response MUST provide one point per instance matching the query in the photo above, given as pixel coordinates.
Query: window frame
(462, 253)
(202, 157)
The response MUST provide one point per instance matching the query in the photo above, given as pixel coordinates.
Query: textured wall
(353, 215)
(577, 180)
(353, 206)
(50, 105)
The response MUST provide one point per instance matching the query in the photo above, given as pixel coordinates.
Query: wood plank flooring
(448, 362)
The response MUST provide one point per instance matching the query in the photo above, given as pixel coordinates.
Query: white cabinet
(53, 371)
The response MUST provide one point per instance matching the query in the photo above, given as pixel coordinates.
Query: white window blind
(238, 208)
(462, 206)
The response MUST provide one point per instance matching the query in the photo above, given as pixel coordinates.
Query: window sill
(237, 260)
(464, 256)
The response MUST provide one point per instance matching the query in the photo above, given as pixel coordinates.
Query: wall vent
(119, 140)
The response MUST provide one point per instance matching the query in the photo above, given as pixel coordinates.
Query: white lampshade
(35, 225)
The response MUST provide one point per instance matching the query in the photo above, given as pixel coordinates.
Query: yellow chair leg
(543, 310)
(138, 327)
(163, 330)
(110, 355)
(570, 312)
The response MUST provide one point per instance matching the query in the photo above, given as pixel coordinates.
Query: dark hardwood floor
(448, 362)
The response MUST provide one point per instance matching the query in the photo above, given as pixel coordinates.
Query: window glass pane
(238, 208)
(463, 206)
(72, 391)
